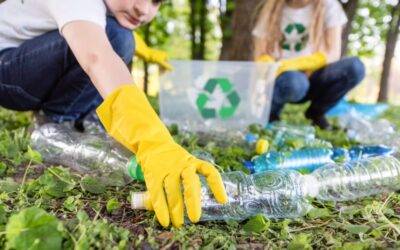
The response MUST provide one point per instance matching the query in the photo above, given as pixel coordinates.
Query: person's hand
(265, 58)
(168, 168)
(309, 63)
(151, 55)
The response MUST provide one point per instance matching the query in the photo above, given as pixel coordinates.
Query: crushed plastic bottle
(284, 193)
(355, 179)
(370, 131)
(97, 155)
(91, 153)
(309, 159)
(275, 194)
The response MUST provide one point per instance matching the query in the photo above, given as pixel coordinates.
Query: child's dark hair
(157, 1)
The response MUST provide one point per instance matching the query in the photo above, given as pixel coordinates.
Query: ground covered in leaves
(50, 207)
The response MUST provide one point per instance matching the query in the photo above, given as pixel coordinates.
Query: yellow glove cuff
(265, 58)
(305, 63)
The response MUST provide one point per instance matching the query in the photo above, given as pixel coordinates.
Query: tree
(391, 41)
(198, 28)
(350, 7)
(239, 46)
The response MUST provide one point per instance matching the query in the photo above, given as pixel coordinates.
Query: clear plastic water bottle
(370, 131)
(97, 155)
(284, 193)
(307, 159)
(355, 179)
(275, 194)
(284, 132)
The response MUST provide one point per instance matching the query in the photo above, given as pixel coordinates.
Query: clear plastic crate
(217, 95)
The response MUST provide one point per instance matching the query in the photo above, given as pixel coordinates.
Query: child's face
(133, 13)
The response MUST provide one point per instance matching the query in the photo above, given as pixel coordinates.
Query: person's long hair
(269, 15)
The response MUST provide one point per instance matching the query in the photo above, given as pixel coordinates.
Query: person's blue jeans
(324, 88)
(43, 74)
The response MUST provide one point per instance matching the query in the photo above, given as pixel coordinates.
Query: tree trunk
(203, 30)
(193, 27)
(198, 28)
(350, 8)
(240, 45)
(391, 42)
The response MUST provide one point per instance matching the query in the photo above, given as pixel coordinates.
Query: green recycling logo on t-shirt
(295, 37)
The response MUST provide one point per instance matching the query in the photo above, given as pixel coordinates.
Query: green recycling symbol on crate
(218, 99)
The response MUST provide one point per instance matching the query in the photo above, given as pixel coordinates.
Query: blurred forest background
(221, 30)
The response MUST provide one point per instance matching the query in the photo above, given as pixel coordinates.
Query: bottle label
(134, 170)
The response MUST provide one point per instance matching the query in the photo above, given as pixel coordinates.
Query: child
(296, 32)
(65, 57)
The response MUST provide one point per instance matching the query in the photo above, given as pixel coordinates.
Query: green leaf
(57, 181)
(112, 205)
(93, 185)
(8, 186)
(3, 214)
(3, 168)
(354, 246)
(257, 224)
(33, 228)
(300, 241)
(320, 213)
(34, 156)
(357, 229)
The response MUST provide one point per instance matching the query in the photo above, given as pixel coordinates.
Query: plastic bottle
(306, 159)
(355, 179)
(284, 193)
(284, 132)
(97, 155)
(275, 194)
(370, 131)
(94, 154)
(309, 159)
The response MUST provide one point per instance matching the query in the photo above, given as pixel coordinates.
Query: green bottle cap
(134, 170)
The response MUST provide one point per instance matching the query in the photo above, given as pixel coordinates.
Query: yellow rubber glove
(168, 168)
(305, 63)
(151, 55)
(265, 58)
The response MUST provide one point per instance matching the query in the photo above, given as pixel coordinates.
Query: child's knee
(293, 86)
(355, 69)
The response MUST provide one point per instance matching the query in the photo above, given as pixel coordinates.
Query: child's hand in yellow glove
(265, 58)
(168, 169)
(151, 55)
(304, 63)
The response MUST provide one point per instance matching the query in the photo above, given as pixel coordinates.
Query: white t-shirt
(22, 20)
(295, 26)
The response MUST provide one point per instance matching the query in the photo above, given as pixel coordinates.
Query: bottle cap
(138, 200)
(262, 146)
(134, 170)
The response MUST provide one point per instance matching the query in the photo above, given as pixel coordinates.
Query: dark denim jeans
(43, 74)
(324, 88)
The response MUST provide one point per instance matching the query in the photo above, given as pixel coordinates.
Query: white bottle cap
(138, 200)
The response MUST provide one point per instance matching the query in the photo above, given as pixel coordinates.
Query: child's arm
(129, 118)
(92, 49)
(333, 48)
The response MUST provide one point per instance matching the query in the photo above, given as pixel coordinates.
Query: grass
(85, 215)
